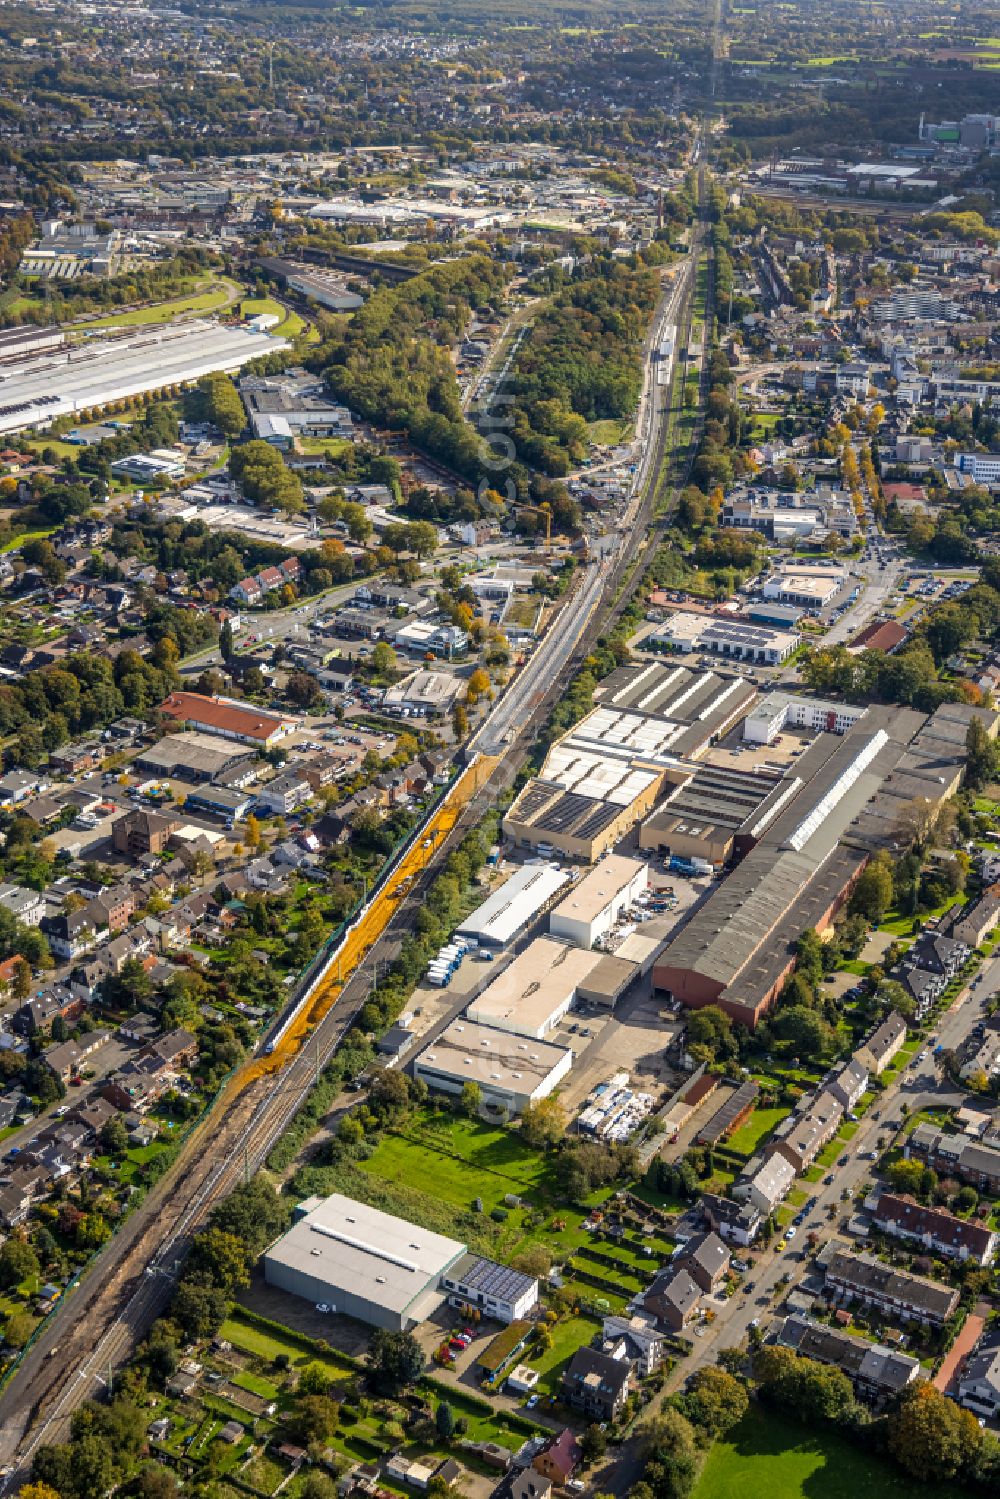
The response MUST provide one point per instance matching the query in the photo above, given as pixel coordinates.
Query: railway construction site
(101, 1318)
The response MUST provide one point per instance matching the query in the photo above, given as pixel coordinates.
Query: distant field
(214, 297)
(610, 431)
(291, 324)
(766, 1455)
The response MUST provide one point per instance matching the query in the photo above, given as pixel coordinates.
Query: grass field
(767, 1455)
(749, 1135)
(291, 324)
(610, 431)
(214, 296)
(459, 1160)
(568, 1335)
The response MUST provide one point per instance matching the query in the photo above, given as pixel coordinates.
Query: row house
(636, 1338)
(896, 1293)
(673, 1299)
(66, 1058)
(956, 1155)
(706, 1259)
(86, 978)
(979, 1380)
(253, 590)
(934, 1229)
(737, 1223)
(801, 1136)
(37, 1013)
(848, 1083)
(978, 921)
(765, 1184)
(878, 1374)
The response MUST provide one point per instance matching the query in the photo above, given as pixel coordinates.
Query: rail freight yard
(44, 384)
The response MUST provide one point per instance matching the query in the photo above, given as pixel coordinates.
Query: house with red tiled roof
(885, 635)
(228, 718)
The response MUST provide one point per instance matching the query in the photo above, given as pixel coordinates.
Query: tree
(716, 1401)
(906, 1176)
(535, 1260)
(314, 1419)
(20, 986)
(471, 1099)
(350, 1131)
(156, 1482)
(395, 1360)
(710, 1031)
(543, 1124)
(444, 1420)
(383, 658)
(18, 1261)
(389, 1093)
(114, 1136)
(593, 1443)
(199, 1310)
(459, 721)
(221, 1258)
(251, 832)
(932, 1437)
(479, 683)
(671, 1463)
(872, 895)
(39, 1491)
(981, 753)
(20, 1326)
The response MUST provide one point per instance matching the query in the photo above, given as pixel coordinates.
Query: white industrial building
(514, 905)
(593, 907)
(808, 587)
(496, 1291)
(62, 381)
(727, 637)
(362, 1262)
(511, 1071)
(785, 710)
(534, 992)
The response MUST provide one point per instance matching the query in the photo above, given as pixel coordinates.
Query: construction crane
(542, 510)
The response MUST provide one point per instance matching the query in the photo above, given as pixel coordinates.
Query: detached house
(596, 1385)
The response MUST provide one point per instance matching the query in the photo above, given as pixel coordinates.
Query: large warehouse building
(609, 771)
(362, 1262)
(593, 906)
(850, 794)
(508, 911)
(533, 993)
(62, 381)
(720, 813)
(511, 1071)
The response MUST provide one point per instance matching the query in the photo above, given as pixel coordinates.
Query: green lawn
(767, 1455)
(568, 1335)
(291, 324)
(458, 1160)
(610, 431)
(745, 1140)
(213, 297)
(246, 1335)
